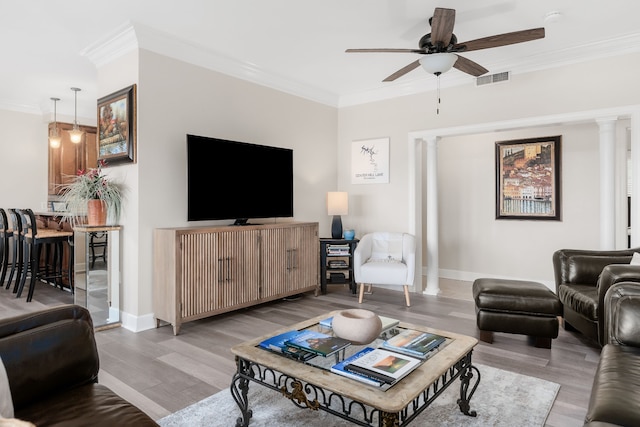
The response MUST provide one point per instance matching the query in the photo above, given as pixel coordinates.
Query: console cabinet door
(238, 268)
(290, 260)
(217, 271)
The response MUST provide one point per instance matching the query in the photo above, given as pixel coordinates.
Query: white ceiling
(294, 45)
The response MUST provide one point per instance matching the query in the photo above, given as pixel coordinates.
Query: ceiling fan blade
(402, 71)
(468, 66)
(385, 50)
(500, 40)
(442, 26)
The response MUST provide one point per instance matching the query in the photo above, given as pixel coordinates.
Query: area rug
(502, 399)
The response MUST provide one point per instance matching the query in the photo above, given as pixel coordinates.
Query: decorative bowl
(349, 234)
(357, 325)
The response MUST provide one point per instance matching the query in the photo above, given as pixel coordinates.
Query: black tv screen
(237, 180)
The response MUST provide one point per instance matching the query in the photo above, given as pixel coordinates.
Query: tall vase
(96, 212)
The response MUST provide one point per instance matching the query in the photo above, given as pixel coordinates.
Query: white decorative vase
(357, 325)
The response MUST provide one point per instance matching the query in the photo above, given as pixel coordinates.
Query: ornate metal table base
(307, 395)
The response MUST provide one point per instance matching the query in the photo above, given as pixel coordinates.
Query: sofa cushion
(388, 247)
(615, 395)
(635, 260)
(515, 296)
(6, 403)
(587, 268)
(66, 355)
(583, 299)
(89, 405)
(625, 325)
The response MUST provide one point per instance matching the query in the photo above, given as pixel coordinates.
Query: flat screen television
(237, 180)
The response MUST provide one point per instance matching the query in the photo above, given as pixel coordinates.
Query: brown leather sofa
(615, 395)
(52, 365)
(582, 279)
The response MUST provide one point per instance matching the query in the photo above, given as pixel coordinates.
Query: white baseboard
(468, 276)
(138, 323)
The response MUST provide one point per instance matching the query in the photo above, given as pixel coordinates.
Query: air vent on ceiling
(492, 78)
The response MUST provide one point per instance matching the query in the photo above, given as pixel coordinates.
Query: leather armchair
(582, 279)
(615, 395)
(385, 258)
(52, 366)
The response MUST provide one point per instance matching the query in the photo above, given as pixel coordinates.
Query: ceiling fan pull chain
(438, 94)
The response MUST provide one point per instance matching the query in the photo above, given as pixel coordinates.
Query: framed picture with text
(117, 126)
(370, 161)
(528, 178)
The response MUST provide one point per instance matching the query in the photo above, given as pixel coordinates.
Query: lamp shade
(438, 63)
(337, 203)
(75, 134)
(55, 141)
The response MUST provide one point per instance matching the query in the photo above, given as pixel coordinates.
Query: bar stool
(5, 235)
(17, 255)
(34, 241)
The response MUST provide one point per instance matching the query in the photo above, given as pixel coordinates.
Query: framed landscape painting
(528, 178)
(117, 126)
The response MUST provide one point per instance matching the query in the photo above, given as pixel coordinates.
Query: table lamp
(337, 204)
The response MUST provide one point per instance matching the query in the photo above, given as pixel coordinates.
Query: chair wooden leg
(406, 295)
(369, 289)
(361, 293)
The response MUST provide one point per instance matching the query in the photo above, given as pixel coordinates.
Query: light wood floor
(162, 373)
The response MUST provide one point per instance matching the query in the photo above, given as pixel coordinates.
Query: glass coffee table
(312, 385)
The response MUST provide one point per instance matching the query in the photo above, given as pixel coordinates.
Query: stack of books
(338, 250)
(279, 344)
(338, 263)
(414, 343)
(377, 366)
(318, 343)
(396, 358)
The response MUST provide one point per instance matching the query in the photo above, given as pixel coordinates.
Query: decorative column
(607, 182)
(635, 178)
(433, 287)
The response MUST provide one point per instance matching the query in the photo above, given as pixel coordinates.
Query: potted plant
(94, 196)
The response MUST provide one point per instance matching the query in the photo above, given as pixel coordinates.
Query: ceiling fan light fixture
(438, 63)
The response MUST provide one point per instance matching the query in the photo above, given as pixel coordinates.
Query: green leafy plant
(92, 184)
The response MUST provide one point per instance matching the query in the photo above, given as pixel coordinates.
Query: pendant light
(75, 133)
(55, 138)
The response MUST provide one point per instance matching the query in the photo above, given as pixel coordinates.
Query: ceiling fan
(440, 47)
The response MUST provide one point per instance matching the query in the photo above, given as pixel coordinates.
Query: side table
(336, 263)
(97, 284)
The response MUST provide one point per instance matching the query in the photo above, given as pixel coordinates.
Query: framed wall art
(117, 126)
(370, 161)
(528, 178)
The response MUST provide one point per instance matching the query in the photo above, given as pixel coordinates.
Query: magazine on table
(384, 365)
(339, 368)
(317, 342)
(277, 344)
(414, 343)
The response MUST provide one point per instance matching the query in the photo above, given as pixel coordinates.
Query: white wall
(176, 98)
(564, 90)
(473, 243)
(24, 158)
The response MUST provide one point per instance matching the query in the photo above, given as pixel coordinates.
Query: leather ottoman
(516, 307)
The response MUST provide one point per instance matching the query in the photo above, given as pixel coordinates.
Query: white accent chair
(385, 258)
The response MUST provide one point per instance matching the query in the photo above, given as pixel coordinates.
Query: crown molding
(113, 45)
(130, 36)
